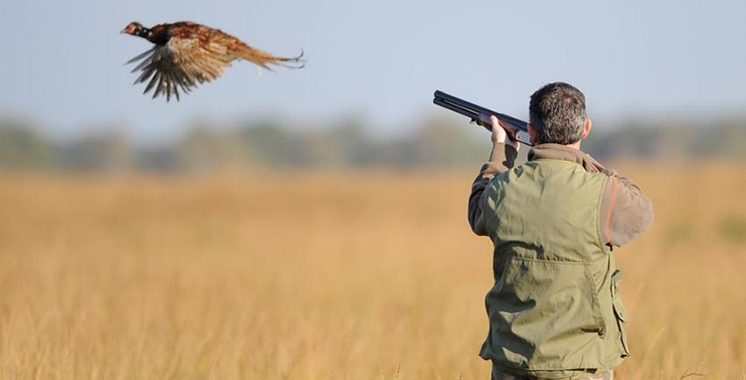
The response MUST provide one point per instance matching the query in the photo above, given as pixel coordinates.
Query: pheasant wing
(181, 63)
(201, 59)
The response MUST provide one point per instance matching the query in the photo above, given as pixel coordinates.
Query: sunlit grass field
(353, 275)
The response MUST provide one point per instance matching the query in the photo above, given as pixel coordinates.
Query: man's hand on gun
(503, 133)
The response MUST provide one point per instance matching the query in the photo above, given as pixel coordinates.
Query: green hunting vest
(555, 304)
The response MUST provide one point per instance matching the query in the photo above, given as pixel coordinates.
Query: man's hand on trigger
(502, 133)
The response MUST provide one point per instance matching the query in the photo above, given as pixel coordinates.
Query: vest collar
(564, 153)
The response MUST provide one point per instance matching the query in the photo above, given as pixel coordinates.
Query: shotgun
(480, 115)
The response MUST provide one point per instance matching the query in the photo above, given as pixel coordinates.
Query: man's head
(557, 115)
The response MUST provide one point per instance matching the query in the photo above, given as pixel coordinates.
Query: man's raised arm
(501, 160)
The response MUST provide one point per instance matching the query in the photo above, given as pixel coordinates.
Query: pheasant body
(187, 54)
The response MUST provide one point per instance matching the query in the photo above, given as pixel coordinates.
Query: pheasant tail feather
(264, 59)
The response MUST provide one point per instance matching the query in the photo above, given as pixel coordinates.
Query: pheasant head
(136, 29)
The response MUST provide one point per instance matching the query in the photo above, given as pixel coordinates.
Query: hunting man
(554, 311)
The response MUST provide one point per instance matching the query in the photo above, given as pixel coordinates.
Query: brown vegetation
(329, 276)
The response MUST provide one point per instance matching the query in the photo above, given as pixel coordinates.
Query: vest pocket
(619, 311)
(534, 293)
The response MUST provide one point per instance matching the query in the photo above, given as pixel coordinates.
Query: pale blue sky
(62, 61)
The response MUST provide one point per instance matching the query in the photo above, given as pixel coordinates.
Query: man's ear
(532, 134)
(587, 126)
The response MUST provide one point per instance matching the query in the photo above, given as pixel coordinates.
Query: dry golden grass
(330, 276)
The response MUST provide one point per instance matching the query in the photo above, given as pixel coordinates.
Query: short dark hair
(557, 113)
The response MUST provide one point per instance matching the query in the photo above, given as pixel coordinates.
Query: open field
(330, 276)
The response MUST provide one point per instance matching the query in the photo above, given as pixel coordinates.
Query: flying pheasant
(186, 54)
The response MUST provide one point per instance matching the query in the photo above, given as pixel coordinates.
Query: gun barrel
(473, 111)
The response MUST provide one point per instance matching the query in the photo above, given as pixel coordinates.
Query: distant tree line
(349, 143)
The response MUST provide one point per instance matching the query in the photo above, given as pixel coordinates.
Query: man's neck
(574, 145)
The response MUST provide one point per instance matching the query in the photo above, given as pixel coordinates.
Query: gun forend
(473, 111)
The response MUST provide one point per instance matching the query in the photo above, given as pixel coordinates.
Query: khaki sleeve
(501, 160)
(625, 211)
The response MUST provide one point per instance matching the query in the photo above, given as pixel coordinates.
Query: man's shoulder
(538, 169)
(556, 174)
